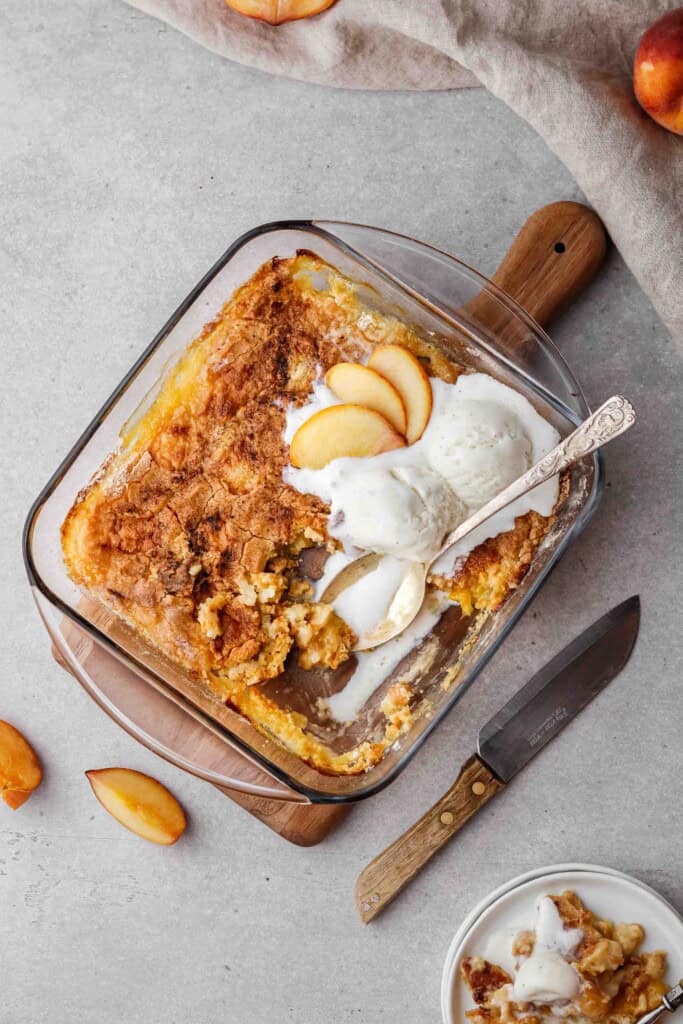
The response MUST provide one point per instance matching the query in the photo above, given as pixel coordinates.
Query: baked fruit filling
(573, 966)
(192, 533)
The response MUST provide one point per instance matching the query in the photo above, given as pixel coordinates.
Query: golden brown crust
(483, 978)
(190, 534)
(188, 520)
(496, 566)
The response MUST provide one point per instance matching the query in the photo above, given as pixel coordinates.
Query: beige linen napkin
(563, 65)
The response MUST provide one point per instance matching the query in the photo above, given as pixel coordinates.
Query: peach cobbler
(572, 966)
(300, 426)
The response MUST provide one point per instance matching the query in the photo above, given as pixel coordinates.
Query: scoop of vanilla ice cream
(401, 510)
(479, 446)
(480, 437)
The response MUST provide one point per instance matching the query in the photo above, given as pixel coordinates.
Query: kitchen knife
(536, 714)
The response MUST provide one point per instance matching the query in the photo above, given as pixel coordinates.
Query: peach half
(408, 376)
(340, 431)
(139, 803)
(275, 12)
(20, 771)
(360, 385)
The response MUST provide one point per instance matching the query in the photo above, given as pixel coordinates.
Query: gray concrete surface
(130, 159)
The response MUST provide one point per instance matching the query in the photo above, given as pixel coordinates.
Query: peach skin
(658, 71)
(275, 12)
(20, 771)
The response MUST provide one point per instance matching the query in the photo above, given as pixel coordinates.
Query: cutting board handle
(553, 258)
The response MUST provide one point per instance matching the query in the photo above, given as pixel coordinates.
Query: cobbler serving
(301, 421)
(571, 966)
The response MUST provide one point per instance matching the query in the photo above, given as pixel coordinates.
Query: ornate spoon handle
(614, 417)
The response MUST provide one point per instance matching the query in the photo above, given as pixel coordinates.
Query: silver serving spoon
(613, 418)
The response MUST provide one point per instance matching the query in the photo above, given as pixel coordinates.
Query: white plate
(609, 893)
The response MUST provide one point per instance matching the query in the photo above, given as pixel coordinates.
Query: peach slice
(139, 803)
(277, 11)
(20, 771)
(339, 431)
(406, 373)
(358, 384)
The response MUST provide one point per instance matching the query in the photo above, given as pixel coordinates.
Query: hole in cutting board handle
(560, 247)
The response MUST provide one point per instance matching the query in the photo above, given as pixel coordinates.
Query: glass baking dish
(476, 324)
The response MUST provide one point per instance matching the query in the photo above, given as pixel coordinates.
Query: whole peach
(658, 71)
(275, 12)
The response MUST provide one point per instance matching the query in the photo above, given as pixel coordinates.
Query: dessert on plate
(570, 966)
(300, 429)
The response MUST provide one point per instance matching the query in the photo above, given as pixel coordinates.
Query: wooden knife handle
(554, 257)
(388, 873)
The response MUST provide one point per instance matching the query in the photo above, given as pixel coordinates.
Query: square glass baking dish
(476, 324)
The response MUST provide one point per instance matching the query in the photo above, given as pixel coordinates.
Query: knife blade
(516, 733)
(559, 691)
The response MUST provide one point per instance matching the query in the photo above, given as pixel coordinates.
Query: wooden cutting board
(555, 255)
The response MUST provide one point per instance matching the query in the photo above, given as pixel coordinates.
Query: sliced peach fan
(275, 12)
(387, 404)
(139, 803)
(20, 771)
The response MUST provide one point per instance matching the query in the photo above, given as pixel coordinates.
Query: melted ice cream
(481, 436)
(545, 977)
